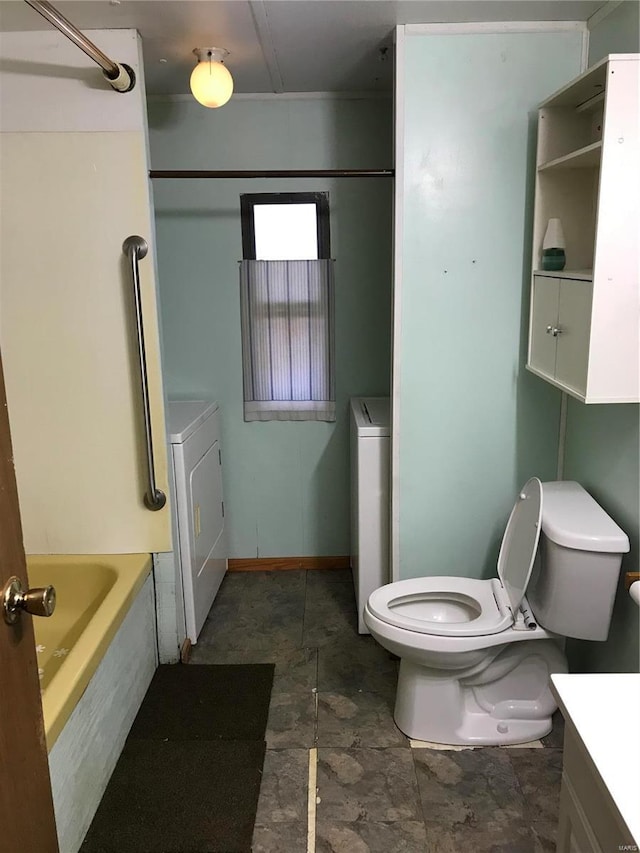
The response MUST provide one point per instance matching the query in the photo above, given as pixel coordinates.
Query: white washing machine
(370, 462)
(194, 434)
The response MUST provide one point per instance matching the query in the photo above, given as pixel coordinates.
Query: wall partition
(469, 425)
(74, 174)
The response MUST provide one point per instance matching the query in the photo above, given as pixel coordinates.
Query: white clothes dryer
(194, 435)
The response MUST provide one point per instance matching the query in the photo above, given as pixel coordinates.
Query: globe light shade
(211, 83)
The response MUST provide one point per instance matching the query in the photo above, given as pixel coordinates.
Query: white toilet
(476, 654)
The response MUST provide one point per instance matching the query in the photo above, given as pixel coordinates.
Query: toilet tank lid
(573, 519)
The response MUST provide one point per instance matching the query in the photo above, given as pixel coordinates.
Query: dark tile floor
(334, 692)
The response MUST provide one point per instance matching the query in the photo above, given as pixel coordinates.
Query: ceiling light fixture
(211, 83)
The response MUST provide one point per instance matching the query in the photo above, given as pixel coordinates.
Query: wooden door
(27, 822)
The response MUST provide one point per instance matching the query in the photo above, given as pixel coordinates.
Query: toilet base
(508, 702)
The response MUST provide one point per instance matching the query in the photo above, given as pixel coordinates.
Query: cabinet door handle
(554, 330)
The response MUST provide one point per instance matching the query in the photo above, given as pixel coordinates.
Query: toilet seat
(463, 607)
(446, 606)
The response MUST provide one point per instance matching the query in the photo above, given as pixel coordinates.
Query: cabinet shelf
(590, 104)
(579, 275)
(584, 158)
(582, 88)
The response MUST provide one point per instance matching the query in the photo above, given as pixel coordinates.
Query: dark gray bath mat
(179, 797)
(206, 702)
(189, 776)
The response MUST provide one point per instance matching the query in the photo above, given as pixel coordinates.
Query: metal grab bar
(135, 248)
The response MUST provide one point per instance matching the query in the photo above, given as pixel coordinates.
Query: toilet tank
(575, 576)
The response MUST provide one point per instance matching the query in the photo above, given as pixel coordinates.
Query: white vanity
(600, 795)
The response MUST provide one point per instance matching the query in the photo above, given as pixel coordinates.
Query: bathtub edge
(86, 752)
(71, 681)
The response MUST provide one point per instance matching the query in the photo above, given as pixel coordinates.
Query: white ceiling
(281, 45)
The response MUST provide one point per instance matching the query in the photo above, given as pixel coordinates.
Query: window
(285, 226)
(286, 301)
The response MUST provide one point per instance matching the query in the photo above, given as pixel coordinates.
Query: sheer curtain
(287, 318)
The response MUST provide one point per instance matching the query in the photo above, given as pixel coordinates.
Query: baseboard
(283, 564)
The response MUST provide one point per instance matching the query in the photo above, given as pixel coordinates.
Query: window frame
(249, 200)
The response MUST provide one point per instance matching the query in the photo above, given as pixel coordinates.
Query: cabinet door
(574, 321)
(542, 349)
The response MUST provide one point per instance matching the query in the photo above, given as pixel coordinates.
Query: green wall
(471, 424)
(603, 442)
(286, 484)
(619, 32)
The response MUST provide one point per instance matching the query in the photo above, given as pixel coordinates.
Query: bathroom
(484, 426)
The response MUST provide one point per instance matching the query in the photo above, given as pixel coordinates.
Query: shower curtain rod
(120, 77)
(275, 173)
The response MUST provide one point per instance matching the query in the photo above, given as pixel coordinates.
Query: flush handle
(39, 601)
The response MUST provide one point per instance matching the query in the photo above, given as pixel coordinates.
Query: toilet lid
(520, 542)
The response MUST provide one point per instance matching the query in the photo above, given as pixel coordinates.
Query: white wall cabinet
(584, 332)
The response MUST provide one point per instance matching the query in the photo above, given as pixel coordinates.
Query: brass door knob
(39, 601)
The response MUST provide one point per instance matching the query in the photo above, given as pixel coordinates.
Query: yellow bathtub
(94, 593)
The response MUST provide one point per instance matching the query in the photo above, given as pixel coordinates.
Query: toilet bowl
(475, 657)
